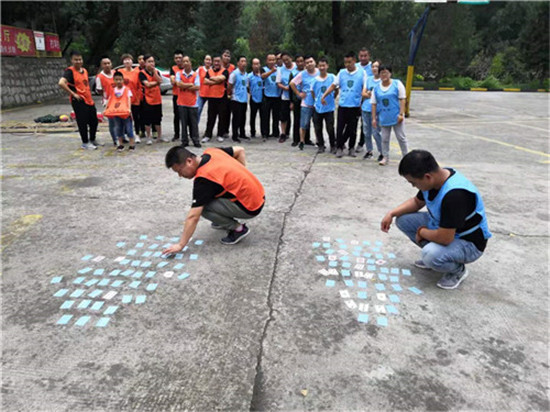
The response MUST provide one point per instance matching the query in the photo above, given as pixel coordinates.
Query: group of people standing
(288, 94)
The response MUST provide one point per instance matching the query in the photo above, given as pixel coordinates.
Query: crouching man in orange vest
(224, 190)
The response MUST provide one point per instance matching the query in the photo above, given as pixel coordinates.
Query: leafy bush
(490, 82)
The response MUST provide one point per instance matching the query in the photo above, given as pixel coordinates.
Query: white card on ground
(333, 271)
(326, 239)
(344, 294)
(358, 274)
(359, 266)
(363, 307)
(98, 258)
(360, 260)
(109, 295)
(381, 296)
(379, 308)
(168, 274)
(354, 242)
(351, 304)
(342, 252)
(120, 258)
(369, 275)
(324, 272)
(333, 257)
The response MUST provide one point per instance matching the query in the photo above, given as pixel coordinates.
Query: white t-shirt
(400, 88)
(337, 77)
(118, 92)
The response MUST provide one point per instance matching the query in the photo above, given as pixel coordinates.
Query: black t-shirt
(143, 77)
(204, 190)
(68, 74)
(455, 207)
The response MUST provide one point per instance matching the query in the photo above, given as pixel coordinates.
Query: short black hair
(177, 155)
(351, 54)
(118, 74)
(283, 54)
(126, 56)
(384, 67)
(75, 53)
(323, 60)
(216, 56)
(226, 51)
(148, 56)
(178, 51)
(296, 57)
(363, 49)
(417, 163)
(241, 57)
(309, 56)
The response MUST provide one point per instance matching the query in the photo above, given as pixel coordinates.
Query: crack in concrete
(512, 234)
(255, 403)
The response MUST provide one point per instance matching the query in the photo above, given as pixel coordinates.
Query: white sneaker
(205, 139)
(149, 142)
(220, 139)
(97, 143)
(165, 140)
(137, 140)
(91, 146)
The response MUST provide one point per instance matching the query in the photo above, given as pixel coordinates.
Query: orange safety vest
(107, 84)
(139, 86)
(235, 179)
(81, 85)
(175, 89)
(187, 97)
(131, 80)
(216, 90)
(152, 94)
(203, 90)
(118, 106)
(230, 69)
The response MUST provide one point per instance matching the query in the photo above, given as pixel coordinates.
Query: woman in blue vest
(388, 104)
(454, 230)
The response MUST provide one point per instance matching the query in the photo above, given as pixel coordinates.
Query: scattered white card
(351, 304)
(354, 242)
(343, 252)
(168, 274)
(98, 258)
(324, 272)
(359, 266)
(363, 307)
(344, 294)
(326, 239)
(379, 308)
(381, 296)
(358, 274)
(369, 275)
(333, 257)
(360, 260)
(120, 259)
(109, 295)
(333, 272)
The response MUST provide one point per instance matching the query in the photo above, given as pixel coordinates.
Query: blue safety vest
(456, 181)
(319, 88)
(307, 86)
(285, 76)
(256, 84)
(367, 69)
(240, 86)
(270, 85)
(351, 87)
(371, 84)
(387, 104)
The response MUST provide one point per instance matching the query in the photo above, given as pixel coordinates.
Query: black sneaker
(321, 149)
(186, 144)
(380, 157)
(282, 138)
(175, 139)
(235, 237)
(132, 148)
(310, 143)
(301, 146)
(294, 144)
(120, 148)
(368, 155)
(236, 140)
(197, 144)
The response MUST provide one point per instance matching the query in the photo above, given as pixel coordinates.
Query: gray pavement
(254, 325)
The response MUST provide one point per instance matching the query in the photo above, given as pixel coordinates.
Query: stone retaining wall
(28, 80)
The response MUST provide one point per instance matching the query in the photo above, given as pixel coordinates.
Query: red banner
(17, 42)
(52, 43)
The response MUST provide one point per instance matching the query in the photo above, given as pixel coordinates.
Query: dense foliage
(507, 41)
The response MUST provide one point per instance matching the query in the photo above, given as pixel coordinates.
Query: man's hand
(374, 123)
(400, 118)
(323, 101)
(418, 237)
(386, 222)
(172, 249)
(302, 95)
(76, 96)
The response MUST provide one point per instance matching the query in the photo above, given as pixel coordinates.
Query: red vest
(118, 106)
(131, 81)
(175, 89)
(107, 84)
(216, 90)
(203, 91)
(187, 97)
(82, 85)
(152, 94)
(235, 179)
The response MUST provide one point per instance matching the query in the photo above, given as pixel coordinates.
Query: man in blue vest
(284, 74)
(304, 80)
(237, 90)
(454, 230)
(350, 82)
(256, 90)
(272, 97)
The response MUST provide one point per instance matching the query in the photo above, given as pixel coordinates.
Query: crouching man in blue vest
(454, 230)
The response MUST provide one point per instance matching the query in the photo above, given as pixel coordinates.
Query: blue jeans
(122, 126)
(446, 259)
(368, 131)
(112, 130)
(305, 117)
(201, 101)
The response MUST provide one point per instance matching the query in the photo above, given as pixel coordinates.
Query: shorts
(285, 111)
(152, 114)
(306, 113)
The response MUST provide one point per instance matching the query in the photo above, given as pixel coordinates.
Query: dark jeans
(86, 116)
(255, 108)
(271, 105)
(318, 118)
(189, 119)
(176, 116)
(139, 127)
(214, 104)
(347, 126)
(238, 111)
(296, 114)
(285, 115)
(225, 116)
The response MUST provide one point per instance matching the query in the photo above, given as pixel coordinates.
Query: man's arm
(65, 86)
(373, 111)
(265, 75)
(442, 236)
(189, 227)
(215, 80)
(327, 92)
(238, 154)
(409, 206)
(401, 110)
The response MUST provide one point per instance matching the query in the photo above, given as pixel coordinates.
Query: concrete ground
(255, 326)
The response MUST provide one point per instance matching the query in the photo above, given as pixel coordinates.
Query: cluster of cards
(371, 284)
(100, 292)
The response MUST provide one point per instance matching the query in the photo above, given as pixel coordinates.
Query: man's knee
(432, 255)
(402, 222)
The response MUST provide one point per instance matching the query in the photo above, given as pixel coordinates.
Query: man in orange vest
(152, 104)
(203, 91)
(176, 68)
(131, 80)
(188, 83)
(76, 83)
(225, 108)
(224, 190)
(105, 83)
(216, 79)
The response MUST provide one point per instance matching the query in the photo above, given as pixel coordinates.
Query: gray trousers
(399, 130)
(189, 119)
(224, 212)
